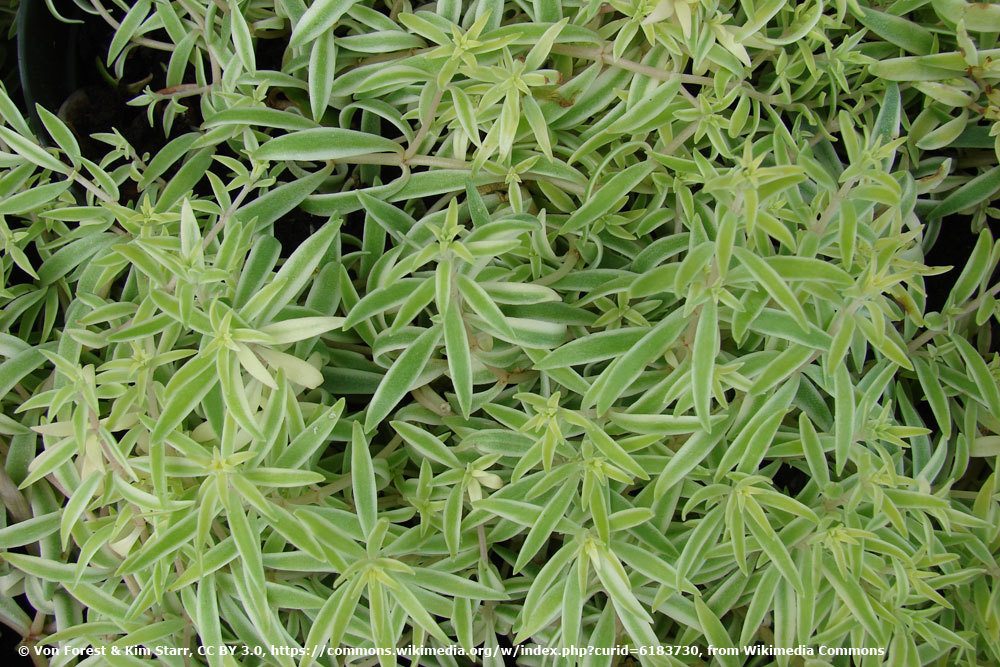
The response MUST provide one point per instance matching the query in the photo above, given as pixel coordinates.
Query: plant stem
(93, 189)
(227, 214)
(13, 499)
(183, 90)
(569, 262)
(142, 41)
(969, 308)
(425, 124)
(679, 140)
(832, 207)
(600, 55)
(398, 160)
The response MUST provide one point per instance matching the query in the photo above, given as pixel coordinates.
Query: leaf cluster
(614, 328)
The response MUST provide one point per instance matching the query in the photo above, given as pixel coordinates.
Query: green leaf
(293, 276)
(47, 569)
(424, 27)
(127, 29)
(394, 221)
(30, 530)
(614, 580)
(401, 377)
(77, 505)
(302, 328)
(608, 198)
(32, 199)
(279, 201)
(646, 114)
(161, 544)
(844, 408)
(450, 584)
(687, 458)
(248, 545)
(325, 143)
(986, 446)
(810, 269)
(322, 68)
(263, 117)
(517, 511)
(979, 372)
(851, 593)
(309, 440)
(572, 606)
(791, 360)
(175, 150)
(459, 356)
(546, 522)
(426, 444)
(771, 543)
(907, 35)
(72, 255)
(625, 369)
(545, 581)
(658, 424)
(814, 452)
(12, 115)
(382, 299)
(706, 348)
(404, 595)
(234, 394)
(242, 40)
(976, 271)
(281, 477)
(771, 281)
(484, 307)
(331, 621)
(715, 632)
(945, 134)
(934, 394)
(185, 390)
(61, 134)
(363, 480)
(320, 18)
(975, 191)
(185, 178)
(593, 347)
(451, 519)
(32, 152)
(614, 452)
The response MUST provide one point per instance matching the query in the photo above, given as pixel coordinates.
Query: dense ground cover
(555, 323)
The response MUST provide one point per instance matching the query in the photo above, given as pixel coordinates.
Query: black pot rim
(46, 57)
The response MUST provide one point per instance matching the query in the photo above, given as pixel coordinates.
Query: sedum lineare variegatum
(613, 329)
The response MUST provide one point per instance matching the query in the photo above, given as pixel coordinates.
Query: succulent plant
(607, 325)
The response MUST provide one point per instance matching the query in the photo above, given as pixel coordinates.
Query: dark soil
(9, 640)
(79, 89)
(99, 106)
(294, 228)
(952, 247)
